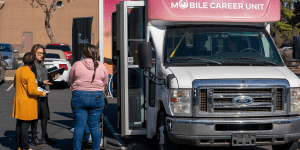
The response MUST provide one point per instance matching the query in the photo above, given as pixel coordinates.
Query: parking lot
(61, 122)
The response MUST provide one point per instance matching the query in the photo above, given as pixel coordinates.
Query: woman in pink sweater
(88, 78)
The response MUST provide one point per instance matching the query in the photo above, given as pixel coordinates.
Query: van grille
(242, 91)
(221, 100)
(242, 110)
(279, 99)
(229, 100)
(203, 100)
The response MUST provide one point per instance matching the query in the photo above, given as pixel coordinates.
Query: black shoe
(46, 139)
(36, 142)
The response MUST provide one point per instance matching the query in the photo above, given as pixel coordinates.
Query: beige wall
(18, 16)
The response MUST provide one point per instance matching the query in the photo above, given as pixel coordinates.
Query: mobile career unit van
(204, 73)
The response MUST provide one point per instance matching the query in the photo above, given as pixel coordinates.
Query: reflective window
(52, 55)
(64, 48)
(219, 46)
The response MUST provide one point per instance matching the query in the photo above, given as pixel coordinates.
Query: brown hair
(35, 48)
(90, 51)
(29, 58)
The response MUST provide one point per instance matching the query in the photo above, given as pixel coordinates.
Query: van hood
(6, 53)
(186, 75)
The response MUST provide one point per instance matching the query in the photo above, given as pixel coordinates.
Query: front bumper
(203, 132)
(9, 63)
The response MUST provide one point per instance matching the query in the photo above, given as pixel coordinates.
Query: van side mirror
(296, 47)
(145, 55)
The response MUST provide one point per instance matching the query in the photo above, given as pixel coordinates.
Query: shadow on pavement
(68, 115)
(64, 144)
(9, 140)
(66, 124)
(61, 144)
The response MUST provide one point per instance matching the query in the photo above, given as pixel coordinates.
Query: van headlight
(295, 103)
(180, 102)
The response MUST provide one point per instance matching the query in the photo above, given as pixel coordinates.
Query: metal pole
(101, 28)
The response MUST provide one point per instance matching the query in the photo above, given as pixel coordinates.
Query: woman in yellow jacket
(25, 108)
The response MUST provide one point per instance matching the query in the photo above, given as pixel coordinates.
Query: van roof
(214, 11)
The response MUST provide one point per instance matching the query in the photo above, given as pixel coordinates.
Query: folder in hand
(54, 70)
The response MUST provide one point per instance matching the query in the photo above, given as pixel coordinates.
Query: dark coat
(39, 99)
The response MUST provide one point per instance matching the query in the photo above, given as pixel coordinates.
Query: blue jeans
(87, 133)
(87, 107)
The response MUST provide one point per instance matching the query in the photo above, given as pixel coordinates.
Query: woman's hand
(44, 93)
(46, 82)
(56, 76)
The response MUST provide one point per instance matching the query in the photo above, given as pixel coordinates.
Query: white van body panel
(186, 75)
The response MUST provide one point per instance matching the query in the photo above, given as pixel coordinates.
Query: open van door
(130, 27)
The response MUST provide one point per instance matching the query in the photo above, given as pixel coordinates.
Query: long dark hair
(35, 48)
(90, 51)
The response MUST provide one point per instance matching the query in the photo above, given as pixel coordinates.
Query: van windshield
(5, 48)
(219, 46)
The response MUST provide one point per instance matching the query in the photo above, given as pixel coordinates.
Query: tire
(3, 81)
(15, 65)
(287, 146)
(167, 144)
(4, 75)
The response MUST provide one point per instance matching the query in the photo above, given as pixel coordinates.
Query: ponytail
(95, 66)
(90, 51)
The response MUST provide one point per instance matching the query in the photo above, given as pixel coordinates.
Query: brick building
(23, 25)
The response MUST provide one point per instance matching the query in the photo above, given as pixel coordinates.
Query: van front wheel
(287, 146)
(163, 140)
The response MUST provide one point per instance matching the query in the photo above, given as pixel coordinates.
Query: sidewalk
(9, 78)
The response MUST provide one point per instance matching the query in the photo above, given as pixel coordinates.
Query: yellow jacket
(25, 101)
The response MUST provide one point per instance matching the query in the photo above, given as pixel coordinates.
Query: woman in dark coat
(44, 81)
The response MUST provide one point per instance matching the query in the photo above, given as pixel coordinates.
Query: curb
(9, 78)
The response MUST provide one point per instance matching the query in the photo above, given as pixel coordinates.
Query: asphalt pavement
(62, 121)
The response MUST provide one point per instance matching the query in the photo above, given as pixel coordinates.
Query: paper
(43, 90)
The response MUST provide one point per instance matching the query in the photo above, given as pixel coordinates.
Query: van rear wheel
(287, 146)
(163, 140)
(15, 65)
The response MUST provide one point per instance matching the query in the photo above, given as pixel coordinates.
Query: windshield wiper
(191, 58)
(250, 58)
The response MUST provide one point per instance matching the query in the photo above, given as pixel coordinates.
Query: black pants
(43, 115)
(22, 127)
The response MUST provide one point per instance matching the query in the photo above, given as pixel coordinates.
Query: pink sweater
(81, 76)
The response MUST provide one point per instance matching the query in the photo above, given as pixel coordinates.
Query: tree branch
(53, 14)
(44, 6)
(52, 9)
(2, 6)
